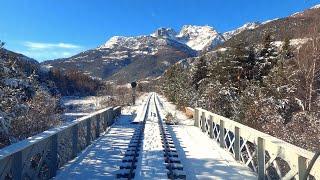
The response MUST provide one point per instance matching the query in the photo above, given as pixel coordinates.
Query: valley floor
(75, 106)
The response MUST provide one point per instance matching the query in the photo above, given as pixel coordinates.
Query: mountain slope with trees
(272, 88)
(27, 107)
(30, 95)
(298, 26)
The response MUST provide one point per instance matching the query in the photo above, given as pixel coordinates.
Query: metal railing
(269, 157)
(40, 156)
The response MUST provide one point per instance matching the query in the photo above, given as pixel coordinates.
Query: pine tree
(201, 72)
(286, 49)
(267, 46)
(268, 58)
(251, 60)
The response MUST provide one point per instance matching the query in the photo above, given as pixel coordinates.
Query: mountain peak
(164, 32)
(196, 37)
(199, 37)
(115, 40)
(193, 31)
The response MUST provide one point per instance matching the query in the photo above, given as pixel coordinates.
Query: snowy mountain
(126, 59)
(196, 37)
(247, 26)
(199, 37)
(166, 33)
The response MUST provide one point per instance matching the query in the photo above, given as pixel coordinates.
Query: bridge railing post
(110, 117)
(88, 136)
(221, 135)
(106, 118)
(211, 126)
(75, 137)
(103, 119)
(54, 155)
(236, 143)
(196, 117)
(203, 121)
(16, 165)
(97, 117)
(261, 158)
(302, 167)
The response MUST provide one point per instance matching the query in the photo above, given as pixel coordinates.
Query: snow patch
(265, 22)
(296, 14)
(166, 63)
(316, 6)
(247, 26)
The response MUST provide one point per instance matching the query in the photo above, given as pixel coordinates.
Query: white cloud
(48, 55)
(66, 54)
(44, 51)
(39, 45)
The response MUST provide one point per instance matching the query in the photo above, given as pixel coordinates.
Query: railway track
(170, 153)
(151, 152)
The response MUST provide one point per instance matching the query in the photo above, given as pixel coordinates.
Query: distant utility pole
(133, 86)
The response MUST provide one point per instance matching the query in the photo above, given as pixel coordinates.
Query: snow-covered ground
(75, 107)
(179, 116)
(201, 157)
(102, 159)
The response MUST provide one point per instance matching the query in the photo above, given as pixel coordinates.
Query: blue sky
(49, 29)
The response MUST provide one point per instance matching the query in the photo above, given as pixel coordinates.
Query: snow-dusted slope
(315, 7)
(247, 26)
(127, 59)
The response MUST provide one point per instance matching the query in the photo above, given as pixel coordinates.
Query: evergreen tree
(268, 58)
(266, 43)
(286, 49)
(251, 61)
(200, 73)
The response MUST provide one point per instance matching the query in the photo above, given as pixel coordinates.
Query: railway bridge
(139, 142)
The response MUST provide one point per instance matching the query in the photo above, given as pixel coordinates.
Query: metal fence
(269, 157)
(40, 156)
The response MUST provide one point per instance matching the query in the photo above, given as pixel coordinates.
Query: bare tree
(308, 62)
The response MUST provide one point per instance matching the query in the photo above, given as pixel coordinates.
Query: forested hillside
(271, 87)
(30, 95)
(26, 107)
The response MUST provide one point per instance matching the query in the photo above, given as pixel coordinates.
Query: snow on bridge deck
(200, 156)
(203, 158)
(101, 160)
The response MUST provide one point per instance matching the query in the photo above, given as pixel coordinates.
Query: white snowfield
(200, 156)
